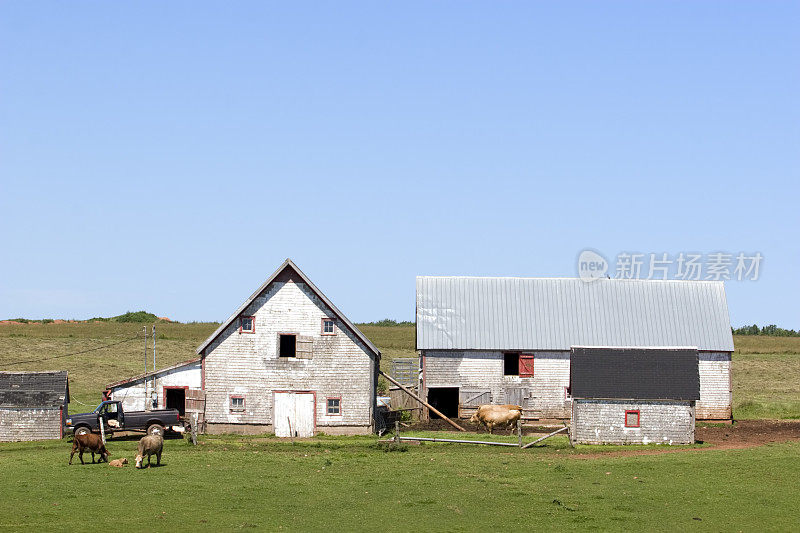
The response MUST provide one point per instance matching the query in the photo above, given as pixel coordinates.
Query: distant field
(765, 376)
(90, 372)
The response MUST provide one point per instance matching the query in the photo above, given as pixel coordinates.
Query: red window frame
(322, 326)
(230, 402)
(327, 407)
(164, 390)
(526, 365)
(252, 323)
(638, 418)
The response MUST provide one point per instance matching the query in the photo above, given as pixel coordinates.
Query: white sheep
(149, 445)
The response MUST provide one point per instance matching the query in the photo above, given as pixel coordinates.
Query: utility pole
(154, 358)
(145, 367)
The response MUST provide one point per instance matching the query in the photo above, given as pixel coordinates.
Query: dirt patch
(737, 436)
(748, 433)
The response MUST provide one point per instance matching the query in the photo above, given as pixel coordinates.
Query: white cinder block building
(508, 340)
(633, 396)
(163, 389)
(287, 360)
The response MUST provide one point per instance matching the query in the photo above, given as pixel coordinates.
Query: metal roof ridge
(588, 282)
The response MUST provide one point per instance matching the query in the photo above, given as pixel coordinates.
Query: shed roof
(473, 313)
(289, 265)
(634, 373)
(158, 372)
(34, 389)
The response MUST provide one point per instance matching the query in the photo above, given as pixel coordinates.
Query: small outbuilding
(633, 395)
(167, 388)
(33, 405)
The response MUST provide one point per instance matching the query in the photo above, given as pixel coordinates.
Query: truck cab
(111, 413)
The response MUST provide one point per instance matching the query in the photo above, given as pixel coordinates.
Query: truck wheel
(155, 429)
(82, 430)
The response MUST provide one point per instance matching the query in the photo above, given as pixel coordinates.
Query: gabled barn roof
(472, 313)
(34, 389)
(286, 271)
(634, 374)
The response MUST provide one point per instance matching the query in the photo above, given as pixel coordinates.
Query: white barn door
(293, 414)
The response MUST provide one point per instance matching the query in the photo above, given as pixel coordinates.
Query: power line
(69, 354)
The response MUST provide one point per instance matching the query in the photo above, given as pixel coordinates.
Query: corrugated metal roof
(289, 264)
(34, 389)
(472, 313)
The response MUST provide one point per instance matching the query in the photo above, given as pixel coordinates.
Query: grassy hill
(764, 377)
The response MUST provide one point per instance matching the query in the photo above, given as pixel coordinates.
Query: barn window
(288, 345)
(237, 403)
(328, 327)
(334, 406)
(247, 324)
(632, 419)
(511, 364)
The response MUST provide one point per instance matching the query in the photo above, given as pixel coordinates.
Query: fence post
(194, 429)
(519, 432)
(102, 429)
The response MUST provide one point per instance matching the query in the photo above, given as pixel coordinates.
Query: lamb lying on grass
(119, 462)
(149, 445)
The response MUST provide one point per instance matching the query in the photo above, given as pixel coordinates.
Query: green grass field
(765, 369)
(351, 483)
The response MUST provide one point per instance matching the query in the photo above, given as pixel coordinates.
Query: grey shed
(33, 405)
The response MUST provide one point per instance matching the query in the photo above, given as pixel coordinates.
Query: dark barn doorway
(445, 399)
(175, 399)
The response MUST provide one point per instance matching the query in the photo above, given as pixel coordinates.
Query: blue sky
(169, 155)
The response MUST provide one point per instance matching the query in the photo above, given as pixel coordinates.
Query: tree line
(771, 330)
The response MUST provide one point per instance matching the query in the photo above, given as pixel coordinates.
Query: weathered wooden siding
(248, 365)
(132, 395)
(715, 386)
(543, 395)
(603, 422)
(546, 396)
(20, 424)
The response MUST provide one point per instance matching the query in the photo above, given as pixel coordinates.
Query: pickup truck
(115, 419)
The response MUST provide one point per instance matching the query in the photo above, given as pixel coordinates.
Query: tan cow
(497, 415)
(149, 445)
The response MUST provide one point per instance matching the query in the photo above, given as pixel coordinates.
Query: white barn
(508, 340)
(288, 361)
(166, 388)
